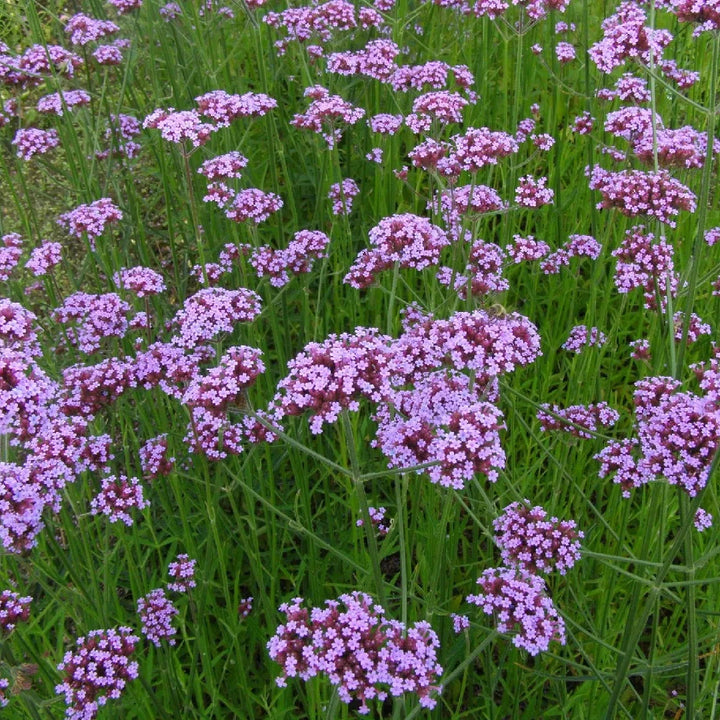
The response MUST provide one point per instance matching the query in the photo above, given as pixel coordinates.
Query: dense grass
(278, 520)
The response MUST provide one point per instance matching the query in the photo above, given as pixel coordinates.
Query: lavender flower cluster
(365, 655)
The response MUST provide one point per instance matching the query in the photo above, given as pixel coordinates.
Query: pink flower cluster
(142, 281)
(91, 318)
(520, 604)
(91, 219)
(635, 193)
(33, 141)
(180, 126)
(253, 205)
(182, 572)
(325, 113)
(578, 420)
(535, 543)
(363, 654)
(156, 612)
(329, 377)
(10, 253)
(223, 107)
(409, 240)
(627, 37)
(98, 670)
(644, 263)
(44, 257)
(21, 508)
(442, 421)
(229, 165)
(342, 195)
(581, 338)
(13, 609)
(212, 311)
(154, 458)
(118, 495)
(299, 257)
(56, 103)
(84, 29)
(678, 434)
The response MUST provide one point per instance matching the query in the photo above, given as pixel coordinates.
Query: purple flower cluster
(229, 165)
(364, 655)
(223, 107)
(94, 317)
(482, 274)
(533, 192)
(635, 192)
(118, 495)
(409, 240)
(534, 543)
(324, 114)
(91, 219)
(21, 507)
(678, 434)
(696, 327)
(253, 205)
(13, 609)
(180, 126)
(10, 252)
(142, 281)
(84, 29)
(98, 670)
(627, 37)
(442, 421)
(527, 249)
(644, 263)
(212, 311)
(377, 518)
(156, 612)
(342, 195)
(703, 520)
(520, 604)
(299, 257)
(329, 377)
(154, 458)
(43, 258)
(33, 141)
(57, 103)
(581, 338)
(455, 203)
(182, 572)
(579, 420)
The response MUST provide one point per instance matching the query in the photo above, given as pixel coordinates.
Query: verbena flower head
(212, 311)
(229, 165)
(479, 147)
(520, 604)
(342, 195)
(21, 508)
(627, 37)
(125, 6)
(43, 258)
(13, 609)
(56, 103)
(253, 205)
(84, 29)
(91, 219)
(329, 377)
(180, 126)
(226, 385)
(582, 337)
(527, 249)
(10, 253)
(45, 60)
(579, 420)
(409, 240)
(90, 318)
(441, 421)
(363, 654)
(182, 572)
(535, 543)
(326, 114)
(299, 257)
(635, 193)
(154, 458)
(533, 192)
(117, 496)
(142, 281)
(33, 141)
(223, 108)
(703, 520)
(156, 612)
(98, 670)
